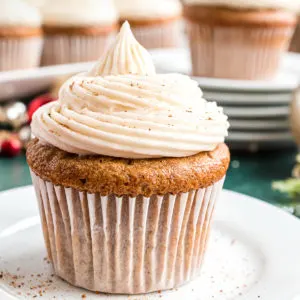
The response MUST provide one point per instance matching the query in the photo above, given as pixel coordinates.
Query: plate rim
(248, 203)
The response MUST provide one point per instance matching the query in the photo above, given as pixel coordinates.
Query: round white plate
(279, 124)
(259, 112)
(178, 60)
(249, 99)
(23, 83)
(240, 136)
(252, 254)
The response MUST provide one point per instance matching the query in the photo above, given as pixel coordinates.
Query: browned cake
(246, 17)
(147, 22)
(108, 175)
(19, 32)
(79, 30)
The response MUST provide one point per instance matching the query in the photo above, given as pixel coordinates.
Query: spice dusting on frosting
(122, 108)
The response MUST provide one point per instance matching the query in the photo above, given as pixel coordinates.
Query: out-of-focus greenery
(290, 186)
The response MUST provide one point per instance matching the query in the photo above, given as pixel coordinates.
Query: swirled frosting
(18, 13)
(149, 9)
(79, 12)
(122, 108)
(36, 3)
(292, 5)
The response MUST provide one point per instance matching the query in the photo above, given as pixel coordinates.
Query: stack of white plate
(258, 111)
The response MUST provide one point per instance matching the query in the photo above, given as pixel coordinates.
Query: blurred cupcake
(155, 23)
(239, 39)
(127, 167)
(76, 30)
(20, 35)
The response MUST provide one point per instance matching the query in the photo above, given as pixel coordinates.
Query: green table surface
(249, 173)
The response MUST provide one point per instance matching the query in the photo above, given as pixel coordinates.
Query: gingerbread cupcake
(155, 23)
(239, 39)
(20, 35)
(76, 30)
(127, 166)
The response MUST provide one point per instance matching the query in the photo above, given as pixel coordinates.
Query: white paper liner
(20, 53)
(237, 53)
(125, 245)
(165, 35)
(63, 49)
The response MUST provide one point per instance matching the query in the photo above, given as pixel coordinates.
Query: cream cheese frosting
(36, 3)
(79, 12)
(122, 108)
(145, 9)
(18, 13)
(292, 5)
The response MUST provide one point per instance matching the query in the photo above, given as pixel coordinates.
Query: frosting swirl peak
(126, 56)
(122, 108)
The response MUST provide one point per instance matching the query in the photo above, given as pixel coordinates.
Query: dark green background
(253, 177)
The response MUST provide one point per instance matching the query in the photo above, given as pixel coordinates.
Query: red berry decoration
(11, 147)
(37, 103)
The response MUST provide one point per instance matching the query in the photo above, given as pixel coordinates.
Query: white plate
(253, 254)
(178, 60)
(279, 124)
(256, 112)
(240, 136)
(248, 99)
(22, 83)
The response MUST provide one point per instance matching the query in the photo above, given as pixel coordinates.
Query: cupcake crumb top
(16, 13)
(120, 176)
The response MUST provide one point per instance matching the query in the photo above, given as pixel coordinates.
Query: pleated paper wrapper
(237, 52)
(127, 245)
(20, 53)
(163, 35)
(64, 49)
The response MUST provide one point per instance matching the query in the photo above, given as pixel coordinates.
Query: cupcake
(20, 35)
(239, 39)
(76, 30)
(155, 23)
(127, 166)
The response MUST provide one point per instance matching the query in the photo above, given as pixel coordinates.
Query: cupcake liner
(127, 245)
(63, 49)
(163, 35)
(20, 53)
(237, 52)
(295, 43)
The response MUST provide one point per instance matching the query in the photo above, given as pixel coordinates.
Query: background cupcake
(76, 30)
(155, 23)
(239, 39)
(20, 35)
(127, 167)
